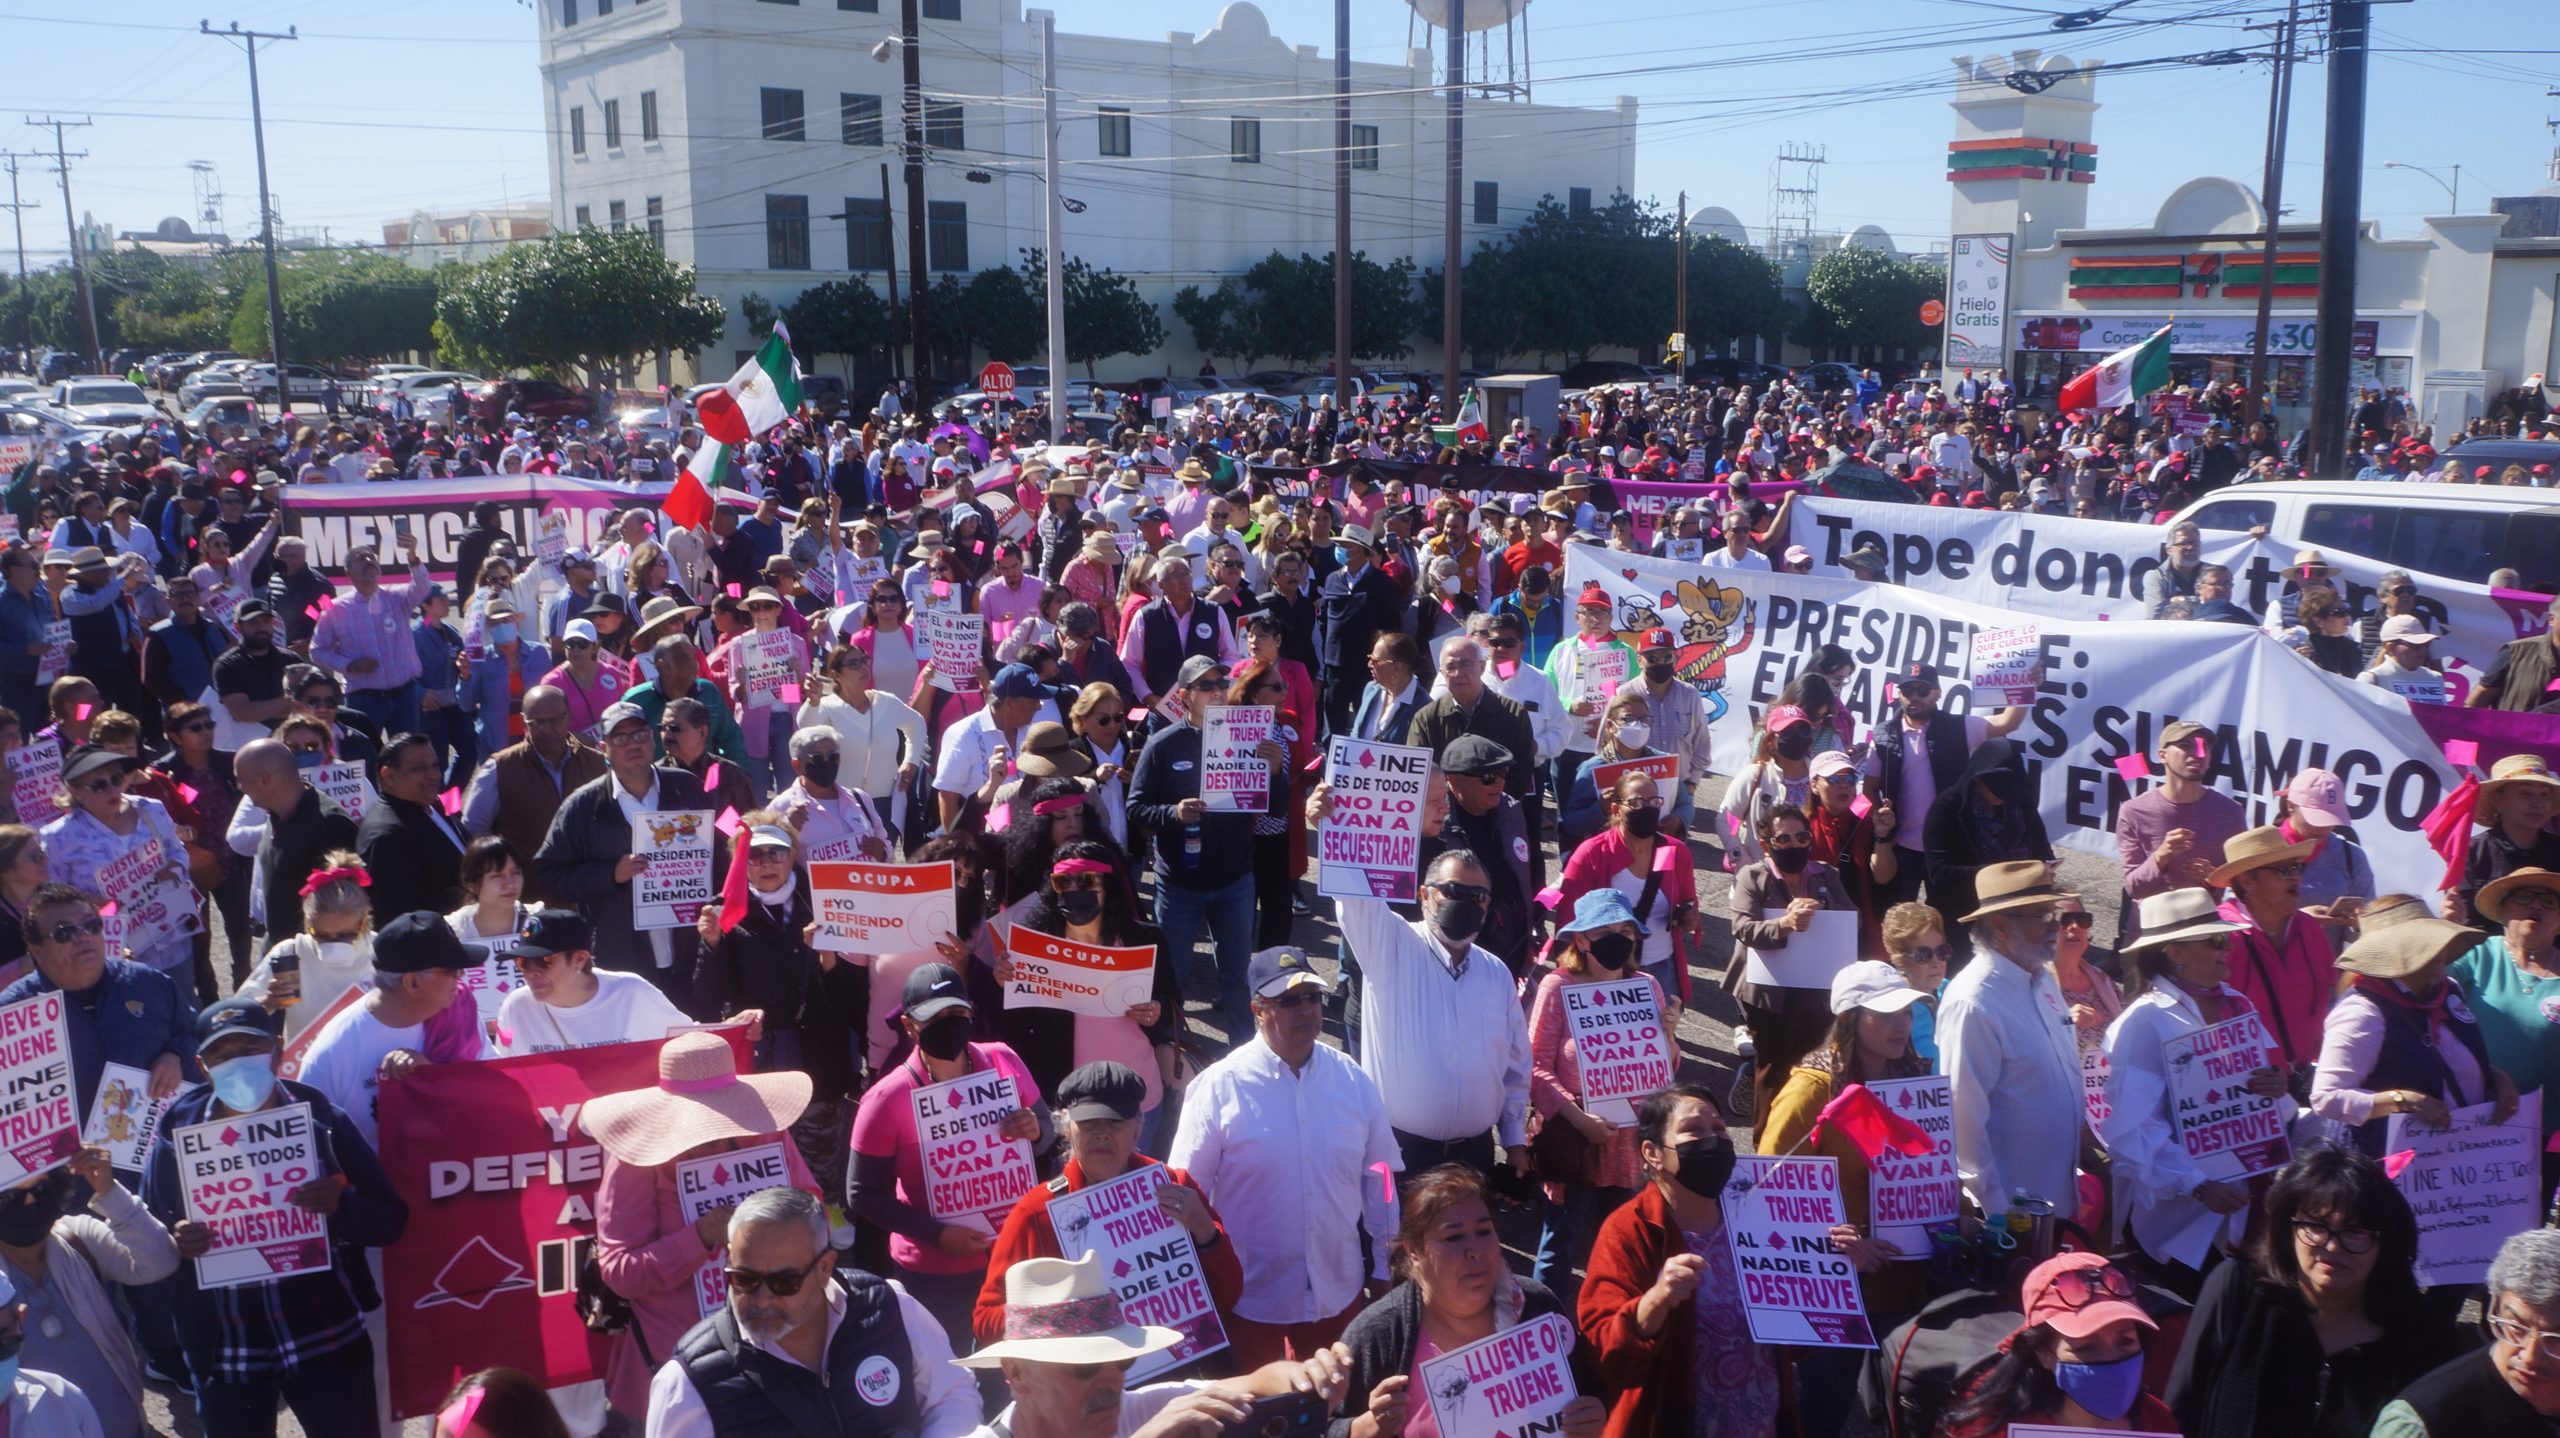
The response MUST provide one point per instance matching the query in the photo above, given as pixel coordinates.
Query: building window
(866, 235)
(1488, 202)
(946, 234)
(861, 119)
(1244, 141)
(942, 129)
(616, 218)
(648, 117)
(784, 116)
(941, 9)
(1364, 147)
(654, 211)
(1115, 132)
(867, 7)
(1577, 202)
(585, 217)
(603, 8)
(568, 12)
(613, 124)
(786, 232)
(577, 129)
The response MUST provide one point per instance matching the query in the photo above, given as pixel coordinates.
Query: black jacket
(414, 864)
(2251, 1365)
(588, 837)
(296, 845)
(765, 963)
(1384, 1337)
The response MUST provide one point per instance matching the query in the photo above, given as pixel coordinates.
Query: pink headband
(1078, 866)
(347, 873)
(1063, 804)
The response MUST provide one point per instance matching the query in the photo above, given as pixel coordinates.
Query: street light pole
(71, 229)
(912, 62)
(2341, 223)
(1052, 229)
(2452, 190)
(1341, 207)
(1449, 234)
(266, 207)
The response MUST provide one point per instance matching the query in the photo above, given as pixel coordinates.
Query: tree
(584, 299)
(1007, 313)
(340, 304)
(1867, 297)
(1734, 294)
(1105, 313)
(840, 317)
(1221, 321)
(758, 313)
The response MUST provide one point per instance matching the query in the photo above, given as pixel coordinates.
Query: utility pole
(1449, 234)
(2279, 120)
(913, 64)
(889, 258)
(18, 221)
(2341, 220)
(248, 40)
(1053, 230)
(1680, 283)
(1342, 207)
(71, 230)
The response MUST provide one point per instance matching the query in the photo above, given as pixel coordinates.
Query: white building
(752, 135)
(428, 238)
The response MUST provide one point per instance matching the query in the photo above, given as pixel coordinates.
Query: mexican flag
(2120, 378)
(689, 503)
(1470, 423)
(763, 393)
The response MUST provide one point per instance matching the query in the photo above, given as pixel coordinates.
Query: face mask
(1790, 861)
(1448, 584)
(1611, 951)
(1080, 906)
(2106, 1389)
(309, 758)
(502, 634)
(1705, 1165)
(1642, 823)
(1341, 557)
(341, 954)
(25, 1225)
(1659, 673)
(945, 1039)
(1795, 743)
(821, 769)
(1458, 921)
(1634, 734)
(244, 1083)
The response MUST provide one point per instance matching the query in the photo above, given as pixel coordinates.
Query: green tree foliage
(589, 300)
(1221, 321)
(1007, 313)
(339, 305)
(758, 312)
(1561, 286)
(1734, 294)
(1284, 307)
(1861, 296)
(840, 317)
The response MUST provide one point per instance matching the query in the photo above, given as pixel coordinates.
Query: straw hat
(1101, 549)
(2020, 884)
(2388, 911)
(2181, 914)
(2257, 849)
(699, 1098)
(2487, 901)
(1057, 1311)
(2512, 772)
(662, 611)
(2403, 949)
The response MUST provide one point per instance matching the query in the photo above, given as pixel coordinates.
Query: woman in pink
(1654, 874)
(1600, 945)
(1142, 591)
(2282, 959)
(1093, 577)
(647, 1249)
(593, 679)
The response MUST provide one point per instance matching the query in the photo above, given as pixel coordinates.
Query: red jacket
(1648, 1383)
(1028, 1234)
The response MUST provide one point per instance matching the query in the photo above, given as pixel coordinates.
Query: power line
(71, 229)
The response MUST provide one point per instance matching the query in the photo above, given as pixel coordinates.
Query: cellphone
(400, 526)
(1285, 1415)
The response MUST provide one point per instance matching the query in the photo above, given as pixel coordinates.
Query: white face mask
(1448, 584)
(1634, 734)
(340, 954)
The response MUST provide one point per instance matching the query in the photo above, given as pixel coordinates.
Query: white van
(2461, 531)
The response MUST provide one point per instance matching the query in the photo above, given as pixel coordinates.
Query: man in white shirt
(983, 742)
(2005, 1042)
(784, 1346)
(417, 970)
(1289, 1139)
(1737, 552)
(1524, 684)
(1214, 528)
(915, 454)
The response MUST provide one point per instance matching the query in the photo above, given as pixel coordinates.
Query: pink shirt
(2290, 982)
(885, 1127)
(1005, 607)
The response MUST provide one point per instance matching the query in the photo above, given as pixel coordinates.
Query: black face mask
(945, 1039)
(1795, 743)
(1660, 673)
(1080, 906)
(1791, 861)
(24, 1224)
(1611, 951)
(1642, 823)
(821, 769)
(1458, 921)
(1706, 1164)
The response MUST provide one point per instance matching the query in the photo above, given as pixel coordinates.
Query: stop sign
(1931, 312)
(997, 379)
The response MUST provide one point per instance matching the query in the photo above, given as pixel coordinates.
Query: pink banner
(334, 518)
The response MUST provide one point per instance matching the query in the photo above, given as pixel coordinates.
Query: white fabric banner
(2109, 690)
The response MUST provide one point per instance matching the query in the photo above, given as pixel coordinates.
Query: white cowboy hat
(1057, 1311)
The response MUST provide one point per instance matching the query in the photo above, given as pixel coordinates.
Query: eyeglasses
(101, 786)
(2292, 870)
(1929, 954)
(2077, 1288)
(1464, 893)
(2074, 920)
(67, 931)
(2509, 1331)
(2346, 1240)
(783, 1284)
(2541, 901)
(671, 728)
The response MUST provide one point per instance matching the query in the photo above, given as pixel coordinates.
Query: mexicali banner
(334, 518)
(2094, 568)
(2109, 690)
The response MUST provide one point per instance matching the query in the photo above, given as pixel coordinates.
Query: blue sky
(382, 109)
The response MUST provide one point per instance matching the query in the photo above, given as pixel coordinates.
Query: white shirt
(1138, 1408)
(1723, 557)
(624, 1008)
(345, 1062)
(868, 741)
(633, 806)
(1531, 689)
(2151, 1166)
(1449, 1050)
(968, 752)
(1285, 1156)
(2005, 1042)
(830, 829)
(948, 1394)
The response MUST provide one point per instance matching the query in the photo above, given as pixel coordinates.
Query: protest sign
(1617, 1036)
(2111, 689)
(1906, 1196)
(551, 537)
(1090, 979)
(972, 1173)
(1808, 959)
(124, 1116)
(1512, 1385)
(1602, 670)
(501, 1185)
(2473, 1185)
(35, 781)
(770, 666)
(1370, 845)
(238, 1175)
(882, 908)
(670, 893)
(715, 1181)
(1154, 1263)
(346, 786)
(2008, 663)
(1665, 769)
(2424, 687)
(955, 644)
(1796, 1288)
(39, 1114)
(2228, 1131)
(2094, 1067)
(491, 980)
(296, 1049)
(56, 659)
(1234, 779)
(153, 898)
(333, 519)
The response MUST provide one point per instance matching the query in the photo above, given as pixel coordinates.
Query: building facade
(759, 141)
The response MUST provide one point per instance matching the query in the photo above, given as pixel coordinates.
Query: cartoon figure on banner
(673, 828)
(120, 1107)
(1715, 624)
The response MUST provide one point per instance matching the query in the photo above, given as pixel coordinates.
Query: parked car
(2497, 454)
(532, 398)
(1718, 370)
(200, 389)
(229, 409)
(1592, 374)
(27, 432)
(825, 393)
(386, 371)
(430, 392)
(2461, 531)
(1272, 379)
(1827, 376)
(305, 381)
(20, 391)
(55, 365)
(176, 372)
(103, 402)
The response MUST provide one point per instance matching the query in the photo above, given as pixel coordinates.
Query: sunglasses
(579, 644)
(67, 931)
(783, 1284)
(1502, 642)
(101, 786)
(1110, 718)
(2074, 920)
(2077, 1288)
(1465, 893)
(1799, 841)
(201, 726)
(1929, 954)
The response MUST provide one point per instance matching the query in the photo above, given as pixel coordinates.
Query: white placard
(713, 1181)
(2008, 663)
(124, 1117)
(1089, 979)
(1371, 847)
(39, 1112)
(768, 663)
(882, 908)
(1516, 1383)
(237, 1176)
(154, 900)
(670, 893)
(1827, 945)
(35, 781)
(346, 786)
(955, 644)
(1154, 1264)
(1233, 778)
(1906, 1197)
(2473, 1185)
(1617, 1035)
(1796, 1288)
(56, 659)
(972, 1174)
(2094, 1068)
(2229, 1132)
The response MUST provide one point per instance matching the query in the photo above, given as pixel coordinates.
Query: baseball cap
(583, 629)
(237, 1016)
(551, 931)
(1919, 673)
(615, 714)
(1658, 638)
(1833, 761)
(1787, 716)
(1195, 670)
(930, 991)
(1102, 1090)
(1873, 985)
(2182, 730)
(1276, 971)
(2051, 1290)
(2406, 629)
(416, 942)
(2319, 799)
(771, 836)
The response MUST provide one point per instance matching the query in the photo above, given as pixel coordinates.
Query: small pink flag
(727, 823)
(788, 693)
(2133, 767)
(711, 777)
(80, 713)
(1550, 897)
(2393, 1164)
(187, 791)
(107, 910)
(1859, 806)
(1386, 1181)
(2462, 753)
(737, 591)
(451, 799)
(1505, 668)
(313, 613)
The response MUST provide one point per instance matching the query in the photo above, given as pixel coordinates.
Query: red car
(532, 398)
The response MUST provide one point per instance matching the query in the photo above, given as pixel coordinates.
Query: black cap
(1916, 673)
(930, 990)
(89, 759)
(552, 931)
(416, 942)
(1102, 1089)
(236, 1016)
(1474, 756)
(254, 609)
